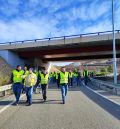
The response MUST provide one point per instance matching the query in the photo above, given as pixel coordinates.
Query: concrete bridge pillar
(12, 58)
(39, 63)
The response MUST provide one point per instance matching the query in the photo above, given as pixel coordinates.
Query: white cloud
(23, 29)
(29, 26)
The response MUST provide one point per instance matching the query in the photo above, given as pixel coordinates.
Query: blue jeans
(29, 91)
(64, 90)
(79, 80)
(17, 87)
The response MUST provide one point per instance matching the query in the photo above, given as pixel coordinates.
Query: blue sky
(31, 19)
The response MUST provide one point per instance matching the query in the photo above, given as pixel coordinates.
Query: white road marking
(103, 96)
(7, 106)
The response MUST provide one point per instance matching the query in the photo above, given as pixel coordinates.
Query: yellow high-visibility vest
(51, 75)
(44, 78)
(75, 74)
(17, 76)
(70, 74)
(85, 73)
(63, 78)
(30, 79)
(26, 72)
(56, 76)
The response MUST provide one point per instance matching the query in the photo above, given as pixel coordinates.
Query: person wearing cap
(17, 80)
(44, 83)
(30, 81)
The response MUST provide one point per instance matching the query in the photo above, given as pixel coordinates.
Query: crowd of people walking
(29, 80)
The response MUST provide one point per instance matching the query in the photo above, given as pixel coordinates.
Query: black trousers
(70, 82)
(44, 92)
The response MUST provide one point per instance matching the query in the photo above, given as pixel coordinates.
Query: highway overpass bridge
(66, 48)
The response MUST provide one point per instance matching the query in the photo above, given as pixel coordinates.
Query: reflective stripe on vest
(44, 79)
(63, 77)
(17, 76)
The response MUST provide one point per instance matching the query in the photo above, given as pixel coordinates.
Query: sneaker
(63, 101)
(26, 101)
(29, 104)
(16, 104)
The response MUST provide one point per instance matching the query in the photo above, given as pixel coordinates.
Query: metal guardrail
(5, 88)
(100, 84)
(61, 37)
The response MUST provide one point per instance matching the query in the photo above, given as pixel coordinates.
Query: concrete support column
(39, 63)
(12, 58)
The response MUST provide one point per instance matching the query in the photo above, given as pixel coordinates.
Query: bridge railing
(5, 89)
(106, 85)
(61, 37)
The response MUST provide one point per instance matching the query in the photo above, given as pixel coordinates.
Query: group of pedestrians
(75, 77)
(26, 81)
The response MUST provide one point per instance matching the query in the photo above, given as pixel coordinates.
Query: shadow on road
(107, 105)
(48, 102)
(4, 103)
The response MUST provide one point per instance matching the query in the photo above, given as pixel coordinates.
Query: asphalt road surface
(83, 110)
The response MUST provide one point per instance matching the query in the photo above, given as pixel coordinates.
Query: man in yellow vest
(26, 72)
(17, 80)
(51, 78)
(37, 83)
(44, 82)
(30, 81)
(57, 80)
(63, 77)
(70, 78)
(85, 75)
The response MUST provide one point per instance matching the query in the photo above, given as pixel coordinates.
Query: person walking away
(17, 80)
(44, 83)
(63, 77)
(30, 81)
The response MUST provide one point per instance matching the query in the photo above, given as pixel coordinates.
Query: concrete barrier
(5, 89)
(106, 86)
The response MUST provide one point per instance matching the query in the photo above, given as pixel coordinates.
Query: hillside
(5, 72)
(53, 68)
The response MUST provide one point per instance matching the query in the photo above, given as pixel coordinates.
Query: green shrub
(4, 80)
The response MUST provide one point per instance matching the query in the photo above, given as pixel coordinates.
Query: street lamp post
(114, 46)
